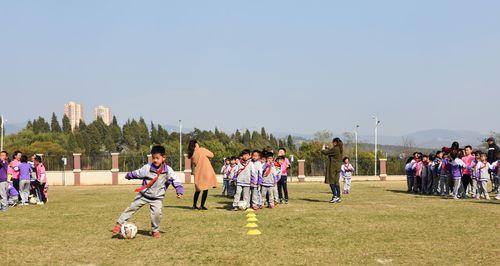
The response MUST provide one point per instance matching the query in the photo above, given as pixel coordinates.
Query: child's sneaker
(117, 229)
(156, 235)
(236, 209)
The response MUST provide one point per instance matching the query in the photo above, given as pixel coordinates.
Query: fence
(366, 166)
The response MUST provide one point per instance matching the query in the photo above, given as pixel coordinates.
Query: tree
(40, 126)
(263, 133)
(290, 145)
(324, 136)
(54, 124)
(247, 137)
(66, 125)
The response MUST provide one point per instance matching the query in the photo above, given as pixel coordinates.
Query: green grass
(377, 224)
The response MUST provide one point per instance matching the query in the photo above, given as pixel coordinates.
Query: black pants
(283, 188)
(466, 181)
(15, 183)
(335, 190)
(410, 182)
(418, 184)
(203, 198)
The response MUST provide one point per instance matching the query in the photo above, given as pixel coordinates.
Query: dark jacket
(332, 174)
(493, 151)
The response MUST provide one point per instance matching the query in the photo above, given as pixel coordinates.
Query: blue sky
(293, 66)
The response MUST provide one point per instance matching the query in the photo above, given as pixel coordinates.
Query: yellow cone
(254, 232)
(250, 210)
(252, 220)
(251, 225)
(251, 215)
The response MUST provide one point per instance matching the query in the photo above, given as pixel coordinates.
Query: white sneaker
(40, 203)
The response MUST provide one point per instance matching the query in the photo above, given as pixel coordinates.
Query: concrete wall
(105, 178)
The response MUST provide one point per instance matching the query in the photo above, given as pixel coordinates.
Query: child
(346, 171)
(483, 168)
(229, 175)
(155, 178)
(418, 172)
(410, 173)
(468, 159)
(270, 175)
(243, 178)
(13, 170)
(278, 163)
(443, 175)
(24, 180)
(282, 184)
(425, 174)
(41, 177)
(455, 167)
(13, 195)
(4, 182)
(256, 180)
(225, 177)
(475, 174)
(437, 172)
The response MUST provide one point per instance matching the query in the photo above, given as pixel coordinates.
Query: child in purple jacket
(25, 171)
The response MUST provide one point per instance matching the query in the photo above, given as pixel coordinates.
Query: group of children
(454, 172)
(256, 179)
(22, 181)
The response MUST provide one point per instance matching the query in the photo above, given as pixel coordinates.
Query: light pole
(1, 133)
(180, 145)
(377, 123)
(356, 147)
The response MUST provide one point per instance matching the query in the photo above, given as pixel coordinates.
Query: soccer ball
(129, 231)
(32, 200)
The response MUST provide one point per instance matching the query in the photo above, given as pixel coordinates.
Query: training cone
(254, 232)
(251, 225)
(252, 220)
(250, 210)
(251, 215)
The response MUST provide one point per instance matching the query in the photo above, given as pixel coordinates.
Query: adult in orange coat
(204, 174)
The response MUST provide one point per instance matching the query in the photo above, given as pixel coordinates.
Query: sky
(290, 66)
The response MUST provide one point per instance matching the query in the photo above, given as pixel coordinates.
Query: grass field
(377, 224)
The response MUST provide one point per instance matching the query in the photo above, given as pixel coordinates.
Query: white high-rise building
(74, 112)
(104, 113)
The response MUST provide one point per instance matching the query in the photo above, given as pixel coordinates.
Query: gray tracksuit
(244, 174)
(270, 176)
(153, 195)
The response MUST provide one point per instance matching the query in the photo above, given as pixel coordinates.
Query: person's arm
(208, 153)
(176, 182)
(42, 176)
(138, 174)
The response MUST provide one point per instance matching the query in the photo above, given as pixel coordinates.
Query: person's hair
(6, 153)
(282, 149)
(234, 158)
(191, 147)
(269, 154)
(339, 143)
(425, 156)
(24, 159)
(38, 158)
(432, 156)
(158, 150)
(455, 146)
(477, 153)
(439, 152)
(344, 159)
(409, 160)
(245, 152)
(280, 158)
(15, 154)
(468, 147)
(257, 151)
(460, 154)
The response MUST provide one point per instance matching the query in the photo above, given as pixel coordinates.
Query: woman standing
(204, 174)
(332, 176)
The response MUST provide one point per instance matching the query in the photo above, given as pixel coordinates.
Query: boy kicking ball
(156, 176)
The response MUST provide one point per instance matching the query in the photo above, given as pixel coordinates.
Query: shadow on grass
(400, 192)
(312, 200)
(486, 202)
(179, 207)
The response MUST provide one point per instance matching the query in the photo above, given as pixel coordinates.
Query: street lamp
(356, 147)
(377, 124)
(180, 145)
(1, 133)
